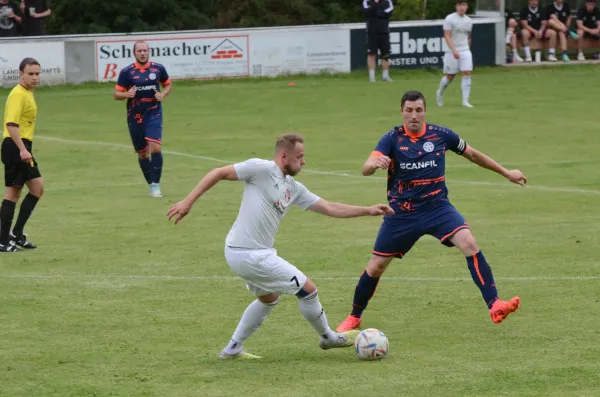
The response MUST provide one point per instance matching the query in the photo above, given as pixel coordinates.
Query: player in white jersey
(269, 192)
(458, 57)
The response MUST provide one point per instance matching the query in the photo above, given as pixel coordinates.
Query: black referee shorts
(378, 41)
(16, 171)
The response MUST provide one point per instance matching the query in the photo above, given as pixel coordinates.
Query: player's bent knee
(512, 23)
(308, 288)
(36, 187)
(155, 147)
(377, 265)
(465, 241)
(269, 299)
(12, 194)
(450, 76)
(144, 155)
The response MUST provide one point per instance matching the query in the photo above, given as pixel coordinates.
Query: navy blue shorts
(399, 233)
(147, 130)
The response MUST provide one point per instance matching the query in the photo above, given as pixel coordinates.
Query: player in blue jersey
(139, 83)
(414, 156)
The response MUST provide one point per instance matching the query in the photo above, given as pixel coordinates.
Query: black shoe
(21, 241)
(10, 247)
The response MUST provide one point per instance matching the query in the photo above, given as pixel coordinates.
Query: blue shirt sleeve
(164, 76)
(123, 82)
(455, 143)
(384, 146)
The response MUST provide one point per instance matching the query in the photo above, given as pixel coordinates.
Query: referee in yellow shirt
(20, 167)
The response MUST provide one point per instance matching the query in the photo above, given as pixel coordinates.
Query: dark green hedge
(112, 16)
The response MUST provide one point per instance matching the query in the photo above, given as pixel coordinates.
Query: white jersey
(460, 27)
(268, 196)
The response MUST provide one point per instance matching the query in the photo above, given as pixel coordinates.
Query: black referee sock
(7, 212)
(25, 211)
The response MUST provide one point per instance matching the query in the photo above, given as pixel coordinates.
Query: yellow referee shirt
(20, 111)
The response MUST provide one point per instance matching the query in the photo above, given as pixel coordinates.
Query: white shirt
(268, 196)
(460, 27)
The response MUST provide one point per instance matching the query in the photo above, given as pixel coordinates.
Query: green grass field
(117, 301)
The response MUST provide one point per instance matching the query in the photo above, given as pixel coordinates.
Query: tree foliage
(112, 16)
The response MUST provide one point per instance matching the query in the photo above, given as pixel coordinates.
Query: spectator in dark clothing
(35, 13)
(377, 14)
(9, 19)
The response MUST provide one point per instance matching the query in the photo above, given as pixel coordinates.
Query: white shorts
(264, 272)
(453, 65)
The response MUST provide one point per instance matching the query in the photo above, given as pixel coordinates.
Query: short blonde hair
(288, 141)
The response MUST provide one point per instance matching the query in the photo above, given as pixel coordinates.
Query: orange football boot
(501, 309)
(349, 324)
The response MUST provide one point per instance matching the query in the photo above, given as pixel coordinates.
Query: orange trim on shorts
(142, 150)
(154, 140)
(452, 233)
(387, 254)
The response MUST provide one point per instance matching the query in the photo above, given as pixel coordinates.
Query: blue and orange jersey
(416, 176)
(145, 78)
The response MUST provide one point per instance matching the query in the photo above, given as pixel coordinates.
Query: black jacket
(378, 15)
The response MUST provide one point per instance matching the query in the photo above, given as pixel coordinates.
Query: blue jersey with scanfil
(146, 79)
(416, 176)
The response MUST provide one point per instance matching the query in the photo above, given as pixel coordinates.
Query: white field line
(234, 278)
(332, 173)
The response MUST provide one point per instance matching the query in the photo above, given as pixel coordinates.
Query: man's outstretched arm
(182, 208)
(341, 210)
(485, 161)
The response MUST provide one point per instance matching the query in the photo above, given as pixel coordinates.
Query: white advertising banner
(50, 55)
(196, 57)
(254, 53)
(306, 52)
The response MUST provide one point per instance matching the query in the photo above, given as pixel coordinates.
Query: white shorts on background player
(453, 65)
(268, 196)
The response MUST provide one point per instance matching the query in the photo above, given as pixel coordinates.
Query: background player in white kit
(457, 33)
(269, 192)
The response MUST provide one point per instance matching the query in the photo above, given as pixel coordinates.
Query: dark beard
(289, 171)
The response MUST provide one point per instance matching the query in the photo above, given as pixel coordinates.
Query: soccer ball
(371, 344)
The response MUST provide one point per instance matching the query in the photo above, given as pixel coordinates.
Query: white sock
(509, 34)
(252, 319)
(386, 74)
(527, 51)
(515, 53)
(313, 312)
(551, 51)
(466, 88)
(372, 74)
(444, 84)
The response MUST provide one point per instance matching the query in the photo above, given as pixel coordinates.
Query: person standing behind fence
(35, 13)
(377, 14)
(8, 19)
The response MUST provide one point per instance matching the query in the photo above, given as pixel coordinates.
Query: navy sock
(483, 277)
(146, 169)
(7, 213)
(364, 292)
(157, 164)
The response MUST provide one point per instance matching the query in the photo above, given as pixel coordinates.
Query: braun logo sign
(403, 43)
